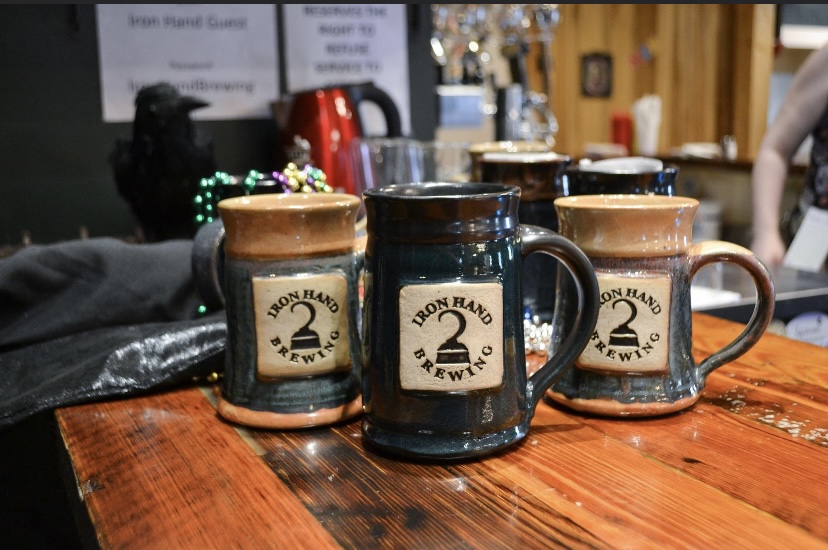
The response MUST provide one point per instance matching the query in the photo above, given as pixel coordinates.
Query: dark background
(54, 144)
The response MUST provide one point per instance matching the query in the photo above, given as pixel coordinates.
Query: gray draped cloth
(100, 318)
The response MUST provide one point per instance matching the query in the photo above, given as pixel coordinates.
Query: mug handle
(539, 239)
(207, 262)
(710, 252)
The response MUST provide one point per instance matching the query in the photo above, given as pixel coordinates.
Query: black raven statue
(159, 169)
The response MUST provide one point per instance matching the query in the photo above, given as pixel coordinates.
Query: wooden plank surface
(165, 472)
(744, 467)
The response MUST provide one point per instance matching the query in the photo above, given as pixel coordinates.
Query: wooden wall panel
(642, 33)
(711, 66)
(564, 91)
(665, 66)
(694, 89)
(726, 44)
(752, 67)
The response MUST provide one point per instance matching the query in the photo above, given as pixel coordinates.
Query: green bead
(199, 218)
(198, 199)
(202, 309)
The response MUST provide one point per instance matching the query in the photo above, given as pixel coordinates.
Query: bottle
(622, 129)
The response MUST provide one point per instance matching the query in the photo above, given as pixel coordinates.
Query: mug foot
(433, 447)
(610, 407)
(287, 421)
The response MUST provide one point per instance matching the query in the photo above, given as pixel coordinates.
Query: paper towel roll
(647, 115)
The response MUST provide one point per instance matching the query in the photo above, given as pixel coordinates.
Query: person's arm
(804, 104)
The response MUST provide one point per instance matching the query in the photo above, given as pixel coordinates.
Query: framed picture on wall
(596, 75)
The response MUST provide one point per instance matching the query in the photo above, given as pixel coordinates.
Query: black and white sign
(330, 44)
(224, 54)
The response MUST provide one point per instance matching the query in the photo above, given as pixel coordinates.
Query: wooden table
(746, 467)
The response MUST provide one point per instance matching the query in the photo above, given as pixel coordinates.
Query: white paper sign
(224, 54)
(809, 247)
(329, 44)
(811, 326)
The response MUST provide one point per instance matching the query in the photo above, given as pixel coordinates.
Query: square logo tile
(301, 325)
(451, 336)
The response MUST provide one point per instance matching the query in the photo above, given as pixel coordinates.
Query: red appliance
(326, 120)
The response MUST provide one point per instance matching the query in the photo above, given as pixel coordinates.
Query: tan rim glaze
(295, 225)
(628, 226)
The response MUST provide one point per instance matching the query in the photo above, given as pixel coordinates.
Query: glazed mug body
(477, 150)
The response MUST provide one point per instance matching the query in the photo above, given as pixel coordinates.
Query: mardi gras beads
(292, 179)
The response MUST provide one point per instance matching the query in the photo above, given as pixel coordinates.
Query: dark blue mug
(626, 176)
(540, 178)
(443, 349)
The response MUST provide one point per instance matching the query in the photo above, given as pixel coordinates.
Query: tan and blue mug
(291, 267)
(639, 360)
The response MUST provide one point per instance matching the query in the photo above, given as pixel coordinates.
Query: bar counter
(796, 292)
(746, 466)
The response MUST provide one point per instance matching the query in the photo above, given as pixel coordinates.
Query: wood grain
(165, 472)
(711, 65)
(744, 467)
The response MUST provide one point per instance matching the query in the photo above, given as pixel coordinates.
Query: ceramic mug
(477, 150)
(540, 178)
(445, 374)
(291, 266)
(626, 175)
(639, 359)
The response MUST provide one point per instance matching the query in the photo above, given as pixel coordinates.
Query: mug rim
(289, 201)
(626, 202)
(523, 157)
(419, 191)
(650, 161)
(666, 169)
(381, 141)
(509, 145)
